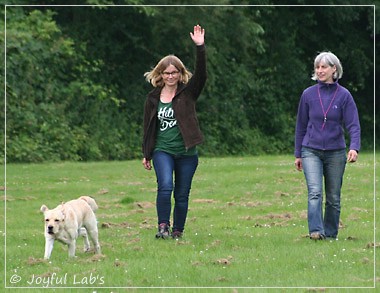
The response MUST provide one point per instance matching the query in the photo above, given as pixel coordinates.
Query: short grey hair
(330, 59)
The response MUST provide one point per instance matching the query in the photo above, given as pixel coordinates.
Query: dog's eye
(56, 220)
(47, 220)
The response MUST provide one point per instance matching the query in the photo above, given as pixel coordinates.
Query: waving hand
(198, 36)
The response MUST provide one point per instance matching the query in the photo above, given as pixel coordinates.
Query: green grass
(246, 229)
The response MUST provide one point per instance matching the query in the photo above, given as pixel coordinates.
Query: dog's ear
(63, 211)
(44, 208)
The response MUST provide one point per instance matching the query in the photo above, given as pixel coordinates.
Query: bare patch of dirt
(107, 225)
(7, 198)
(204, 200)
(360, 209)
(97, 257)
(247, 218)
(214, 243)
(224, 261)
(32, 261)
(256, 204)
(372, 244)
(353, 217)
(103, 191)
(303, 215)
(351, 238)
(135, 183)
(145, 205)
(119, 263)
(134, 240)
(277, 216)
(11, 198)
(281, 194)
(284, 218)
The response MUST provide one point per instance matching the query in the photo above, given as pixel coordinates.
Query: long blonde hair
(154, 76)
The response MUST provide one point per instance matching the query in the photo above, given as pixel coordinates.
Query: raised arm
(198, 36)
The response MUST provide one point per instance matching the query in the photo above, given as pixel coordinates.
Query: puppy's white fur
(68, 221)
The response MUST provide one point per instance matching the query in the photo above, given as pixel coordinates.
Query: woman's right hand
(146, 163)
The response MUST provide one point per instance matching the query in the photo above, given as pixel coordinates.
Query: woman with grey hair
(325, 110)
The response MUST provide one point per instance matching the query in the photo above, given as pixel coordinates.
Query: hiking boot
(163, 231)
(176, 234)
(316, 236)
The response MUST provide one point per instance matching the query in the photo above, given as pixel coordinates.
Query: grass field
(246, 229)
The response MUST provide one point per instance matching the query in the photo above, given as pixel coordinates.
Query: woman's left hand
(198, 36)
(352, 156)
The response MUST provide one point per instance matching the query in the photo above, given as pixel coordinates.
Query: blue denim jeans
(183, 168)
(330, 165)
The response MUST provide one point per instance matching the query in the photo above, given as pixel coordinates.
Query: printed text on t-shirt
(166, 117)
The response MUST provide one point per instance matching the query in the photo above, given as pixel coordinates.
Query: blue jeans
(330, 165)
(183, 168)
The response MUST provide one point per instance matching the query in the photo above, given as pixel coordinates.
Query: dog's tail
(91, 202)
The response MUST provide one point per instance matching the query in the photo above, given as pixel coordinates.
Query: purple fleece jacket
(313, 132)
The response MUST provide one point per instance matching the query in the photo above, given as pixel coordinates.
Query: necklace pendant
(325, 119)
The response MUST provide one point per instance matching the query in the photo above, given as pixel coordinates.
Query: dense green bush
(75, 85)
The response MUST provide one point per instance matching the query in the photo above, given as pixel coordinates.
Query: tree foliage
(75, 86)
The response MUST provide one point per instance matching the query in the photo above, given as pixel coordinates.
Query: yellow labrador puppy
(68, 221)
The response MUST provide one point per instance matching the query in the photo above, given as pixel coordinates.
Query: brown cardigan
(183, 106)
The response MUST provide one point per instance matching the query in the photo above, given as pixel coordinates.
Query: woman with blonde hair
(172, 132)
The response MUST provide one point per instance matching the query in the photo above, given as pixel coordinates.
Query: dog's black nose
(50, 230)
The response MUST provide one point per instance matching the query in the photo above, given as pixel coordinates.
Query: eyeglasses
(167, 74)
